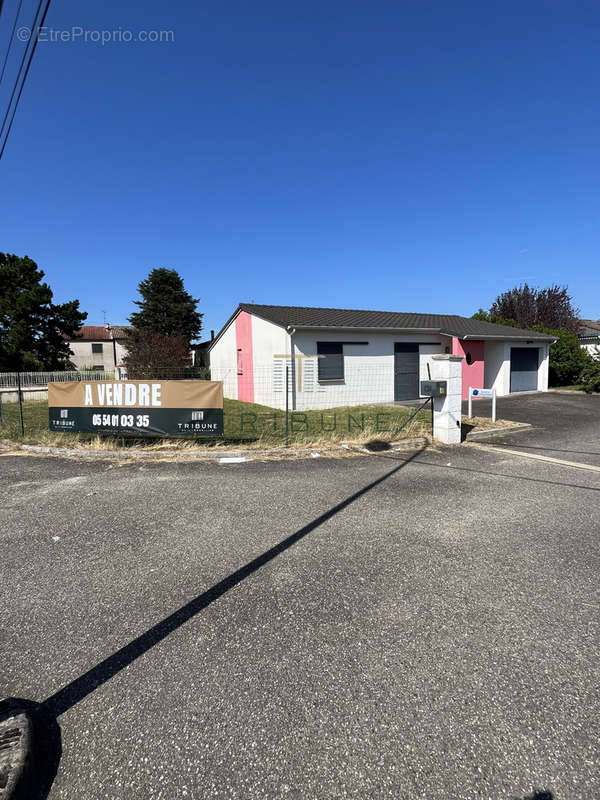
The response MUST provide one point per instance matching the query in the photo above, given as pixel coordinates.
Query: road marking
(232, 460)
(536, 457)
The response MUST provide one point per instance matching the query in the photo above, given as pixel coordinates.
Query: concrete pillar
(447, 409)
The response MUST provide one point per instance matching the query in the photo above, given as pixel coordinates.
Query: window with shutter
(331, 361)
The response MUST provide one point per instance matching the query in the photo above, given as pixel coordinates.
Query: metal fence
(289, 399)
(272, 404)
(26, 380)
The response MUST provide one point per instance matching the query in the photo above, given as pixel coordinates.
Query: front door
(406, 371)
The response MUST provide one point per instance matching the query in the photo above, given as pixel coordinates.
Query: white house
(590, 336)
(99, 347)
(332, 357)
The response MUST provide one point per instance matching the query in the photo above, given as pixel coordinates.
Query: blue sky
(405, 156)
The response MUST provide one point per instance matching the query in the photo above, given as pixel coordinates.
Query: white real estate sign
(473, 392)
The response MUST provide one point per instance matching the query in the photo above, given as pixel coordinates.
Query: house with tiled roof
(99, 347)
(589, 336)
(335, 356)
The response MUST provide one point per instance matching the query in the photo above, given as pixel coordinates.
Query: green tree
(590, 375)
(166, 307)
(33, 329)
(485, 316)
(567, 358)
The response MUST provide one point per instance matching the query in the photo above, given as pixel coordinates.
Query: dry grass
(484, 423)
(247, 426)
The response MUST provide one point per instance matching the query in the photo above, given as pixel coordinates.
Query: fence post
(287, 404)
(432, 412)
(20, 395)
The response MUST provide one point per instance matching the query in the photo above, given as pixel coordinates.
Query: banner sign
(151, 408)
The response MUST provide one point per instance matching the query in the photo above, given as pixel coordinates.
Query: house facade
(333, 357)
(99, 347)
(589, 336)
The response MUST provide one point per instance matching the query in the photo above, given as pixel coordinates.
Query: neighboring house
(99, 347)
(341, 357)
(200, 356)
(589, 336)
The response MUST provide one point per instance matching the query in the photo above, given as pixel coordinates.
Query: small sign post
(482, 393)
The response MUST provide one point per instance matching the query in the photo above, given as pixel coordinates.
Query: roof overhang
(504, 338)
(223, 329)
(362, 328)
(400, 331)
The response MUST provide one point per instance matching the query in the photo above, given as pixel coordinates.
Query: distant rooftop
(96, 333)
(590, 327)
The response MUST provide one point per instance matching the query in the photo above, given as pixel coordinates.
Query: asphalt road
(565, 425)
(416, 626)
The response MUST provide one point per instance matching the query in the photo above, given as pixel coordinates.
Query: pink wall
(243, 343)
(472, 373)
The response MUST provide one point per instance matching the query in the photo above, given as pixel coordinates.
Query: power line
(35, 28)
(21, 65)
(12, 36)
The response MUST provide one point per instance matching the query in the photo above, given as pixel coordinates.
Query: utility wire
(35, 34)
(12, 36)
(21, 65)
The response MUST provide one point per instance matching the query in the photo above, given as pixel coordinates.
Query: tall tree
(551, 307)
(33, 329)
(166, 307)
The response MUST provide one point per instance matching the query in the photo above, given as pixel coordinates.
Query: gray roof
(120, 331)
(450, 324)
(589, 328)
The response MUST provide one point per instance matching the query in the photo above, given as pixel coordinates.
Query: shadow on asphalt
(48, 712)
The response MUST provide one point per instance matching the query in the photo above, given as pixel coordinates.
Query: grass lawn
(247, 423)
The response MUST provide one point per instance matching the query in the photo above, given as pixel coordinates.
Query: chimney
(212, 335)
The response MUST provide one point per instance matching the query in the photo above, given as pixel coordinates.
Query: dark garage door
(406, 371)
(523, 369)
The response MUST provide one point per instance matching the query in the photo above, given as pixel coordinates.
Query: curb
(247, 455)
(16, 749)
(514, 428)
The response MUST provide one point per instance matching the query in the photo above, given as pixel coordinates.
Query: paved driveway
(565, 425)
(375, 627)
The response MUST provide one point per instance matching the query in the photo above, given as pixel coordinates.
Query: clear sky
(407, 156)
